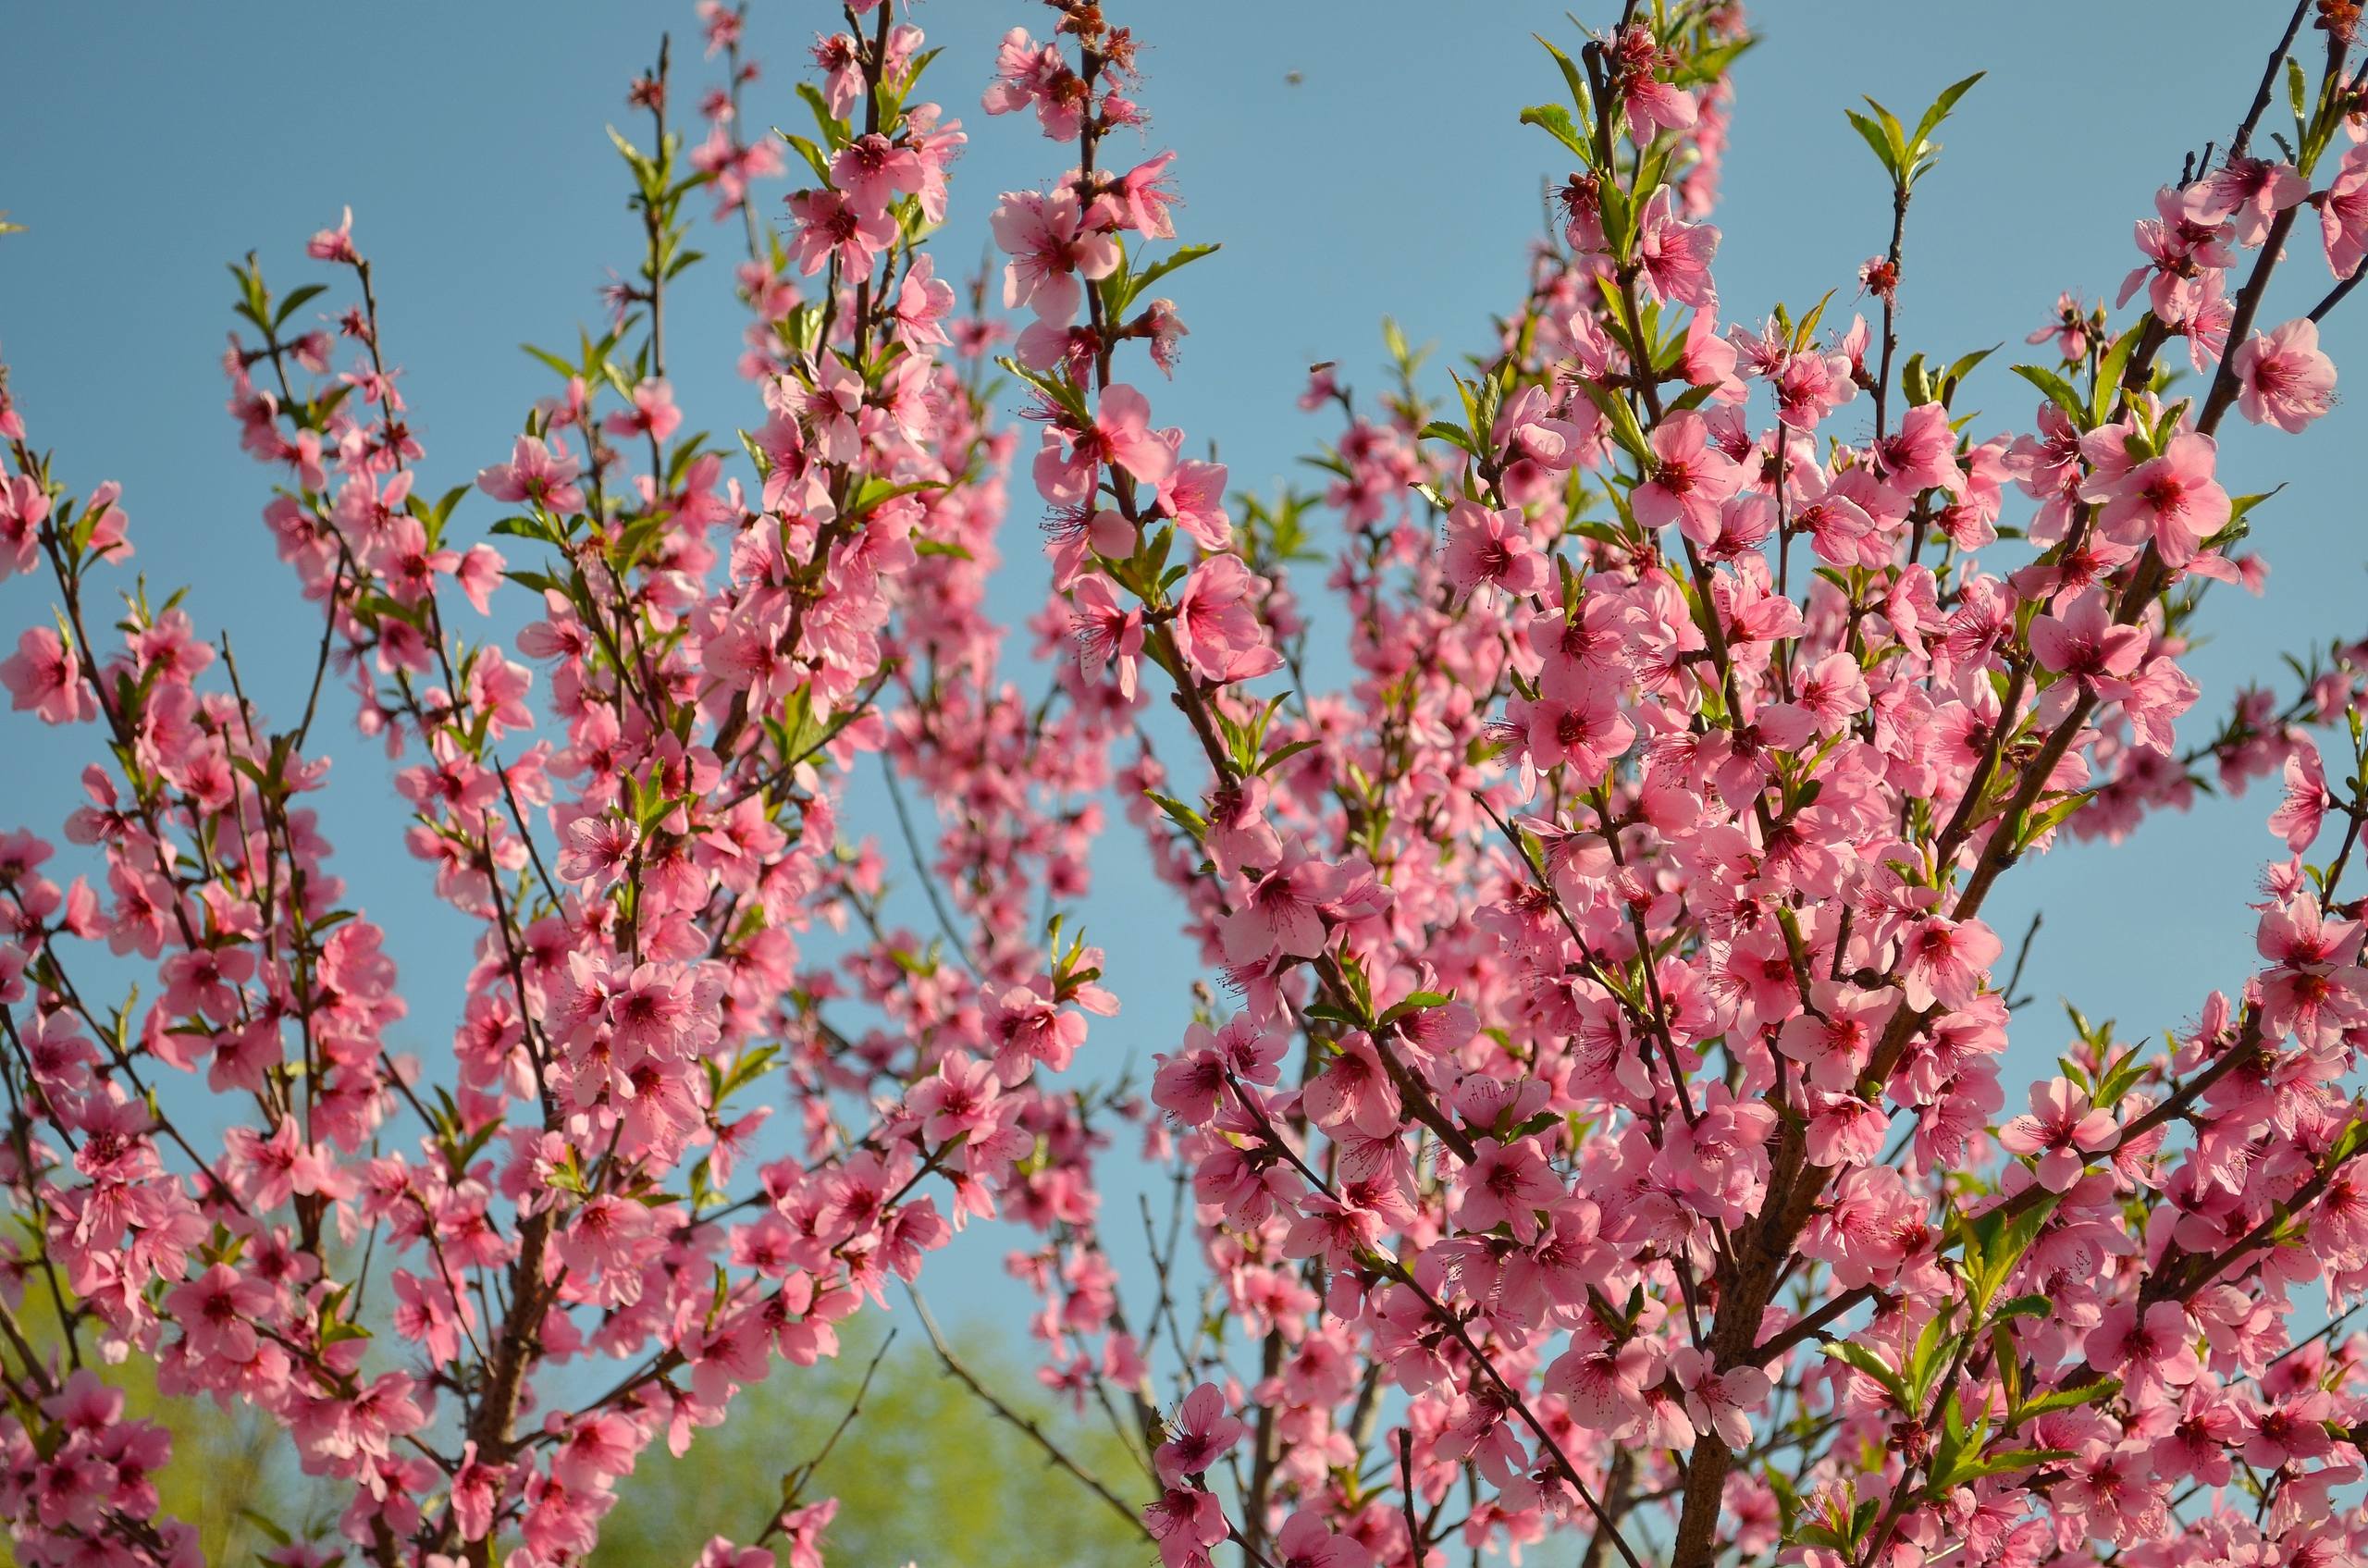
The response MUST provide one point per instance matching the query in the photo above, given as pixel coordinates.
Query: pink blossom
(1689, 481)
(1217, 623)
(2171, 499)
(1488, 549)
(830, 227)
(44, 678)
(2061, 1128)
(1505, 1184)
(1674, 256)
(1202, 1433)
(2285, 380)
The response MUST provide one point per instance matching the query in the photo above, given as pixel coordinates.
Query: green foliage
(925, 1474)
(1905, 157)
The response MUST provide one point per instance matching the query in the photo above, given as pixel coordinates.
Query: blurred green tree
(924, 1474)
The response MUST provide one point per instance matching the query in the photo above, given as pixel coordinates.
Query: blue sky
(1389, 178)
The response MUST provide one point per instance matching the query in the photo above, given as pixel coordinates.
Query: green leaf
(2058, 391)
(1420, 1001)
(551, 359)
(1063, 394)
(2038, 825)
(1191, 821)
(2242, 504)
(1556, 120)
(1865, 1361)
(1995, 1242)
(1964, 366)
(1283, 754)
(1624, 428)
(1873, 136)
(816, 159)
(1440, 430)
(541, 582)
(1892, 133)
(2109, 374)
(1183, 255)
(2067, 1398)
(632, 155)
(271, 1531)
(1932, 1348)
(296, 297)
(1916, 383)
(1940, 111)
(2003, 1463)
(1571, 78)
(834, 128)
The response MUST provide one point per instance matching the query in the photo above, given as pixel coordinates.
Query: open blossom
(23, 506)
(1675, 255)
(1193, 494)
(1650, 104)
(2069, 331)
(2062, 1130)
(2317, 989)
(1585, 731)
(334, 244)
(2252, 191)
(2082, 641)
(1690, 479)
(2171, 501)
(2285, 380)
(1282, 909)
(1202, 1434)
(1305, 1541)
(537, 471)
(872, 171)
(831, 228)
(1217, 627)
(1109, 632)
(653, 415)
(1031, 73)
(44, 677)
(1922, 456)
(1945, 960)
(1029, 1027)
(2343, 213)
(1053, 253)
(599, 848)
(1719, 1402)
(1120, 437)
(1505, 1185)
(2298, 815)
(1143, 197)
(1491, 549)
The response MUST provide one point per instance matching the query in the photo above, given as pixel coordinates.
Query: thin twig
(1036, 1433)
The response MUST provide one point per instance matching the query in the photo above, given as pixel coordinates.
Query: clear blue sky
(149, 143)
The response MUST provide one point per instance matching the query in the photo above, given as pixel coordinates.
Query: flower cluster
(415, 1270)
(1616, 1069)
(1605, 1133)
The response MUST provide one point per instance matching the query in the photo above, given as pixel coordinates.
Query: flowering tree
(1604, 1135)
